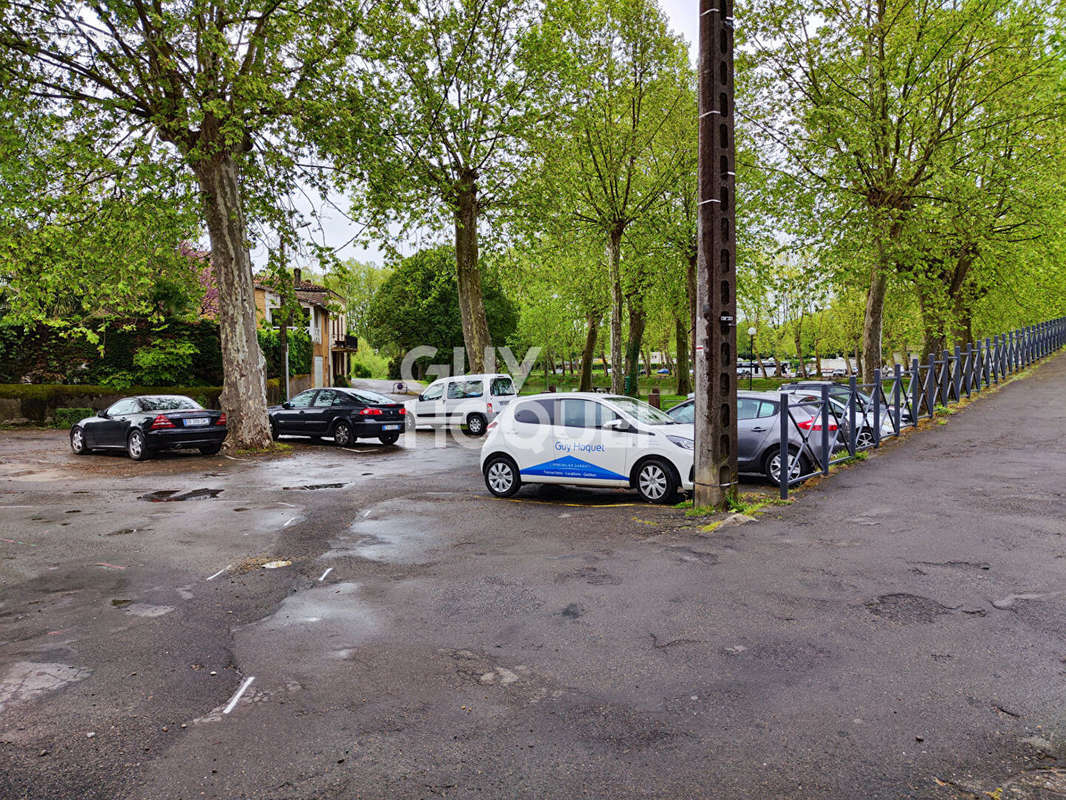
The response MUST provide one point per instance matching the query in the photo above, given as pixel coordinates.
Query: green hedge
(41, 402)
(66, 417)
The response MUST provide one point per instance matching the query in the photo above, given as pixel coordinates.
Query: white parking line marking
(291, 522)
(237, 696)
(219, 572)
(290, 505)
(324, 574)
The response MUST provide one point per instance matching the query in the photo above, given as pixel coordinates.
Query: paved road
(898, 632)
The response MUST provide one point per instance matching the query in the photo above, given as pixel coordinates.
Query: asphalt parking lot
(896, 632)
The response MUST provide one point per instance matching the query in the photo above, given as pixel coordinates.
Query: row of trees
(896, 166)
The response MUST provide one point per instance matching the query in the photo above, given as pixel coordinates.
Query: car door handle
(758, 430)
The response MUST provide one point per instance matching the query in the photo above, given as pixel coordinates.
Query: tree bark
(798, 333)
(637, 320)
(871, 327)
(588, 353)
(476, 336)
(614, 253)
(243, 366)
(684, 381)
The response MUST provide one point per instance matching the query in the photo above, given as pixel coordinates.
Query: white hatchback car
(470, 401)
(588, 439)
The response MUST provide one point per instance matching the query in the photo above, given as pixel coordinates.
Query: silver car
(759, 433)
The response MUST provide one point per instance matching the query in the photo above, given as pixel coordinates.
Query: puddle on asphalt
(176, 495)
(313, 486)
(25, 680)
(119, 602)
(400, 536)
(336, 606)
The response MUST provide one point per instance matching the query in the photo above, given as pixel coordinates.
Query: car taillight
(162, 421)
(221, 419)
(815, 424)
(490, 408)
(371, 412)
(403, 411)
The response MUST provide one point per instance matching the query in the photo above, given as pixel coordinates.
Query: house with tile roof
(326, 322)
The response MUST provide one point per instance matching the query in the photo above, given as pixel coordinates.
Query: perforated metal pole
(716, 304)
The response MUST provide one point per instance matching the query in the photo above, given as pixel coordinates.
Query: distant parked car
(146, 424)
(759, 433)
(662, 371)
(470, 401)
(344, 414)
(840, 391)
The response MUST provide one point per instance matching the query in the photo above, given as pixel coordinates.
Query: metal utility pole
(716, 275)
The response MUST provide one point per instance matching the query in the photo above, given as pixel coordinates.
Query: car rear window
(366, 397)
(458, 390)
(536, 412)
(501, 386)
(172, 403)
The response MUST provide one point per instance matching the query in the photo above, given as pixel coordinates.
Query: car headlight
(682, 442)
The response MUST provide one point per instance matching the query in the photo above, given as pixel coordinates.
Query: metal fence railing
(828, 424)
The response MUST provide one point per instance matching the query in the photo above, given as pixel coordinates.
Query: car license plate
(196, 421)
(390, 427)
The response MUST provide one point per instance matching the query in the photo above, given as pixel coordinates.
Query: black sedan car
(344, 414)
(146, 424)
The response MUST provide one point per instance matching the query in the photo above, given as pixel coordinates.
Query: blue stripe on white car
(570, 467)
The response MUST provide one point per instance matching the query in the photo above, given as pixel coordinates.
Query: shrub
(341, 381)
(361, 371)
(164, 362)
(66, 417)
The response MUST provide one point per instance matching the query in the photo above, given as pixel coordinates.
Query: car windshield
(169, 403)
(641, 411)
(371, 398)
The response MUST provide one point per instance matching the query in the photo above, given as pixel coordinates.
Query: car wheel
(864, 439)
(798, 464)
(501, 476)
(273, 430)
(656, 481)
(389, 438)
(475, 424)
(136, 446)
(77, 442)
(342, 434)
(210, 451)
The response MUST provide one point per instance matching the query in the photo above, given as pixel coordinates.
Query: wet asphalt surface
(897, 632)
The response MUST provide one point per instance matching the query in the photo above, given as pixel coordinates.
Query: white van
(469, 401)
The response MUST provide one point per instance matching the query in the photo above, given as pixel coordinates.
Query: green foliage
(300, 349)
(67, 417)
(164, 362)
(418, 305)
(366, 363)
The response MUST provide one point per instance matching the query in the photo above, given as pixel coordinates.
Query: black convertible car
(147, 423)
(344, 414)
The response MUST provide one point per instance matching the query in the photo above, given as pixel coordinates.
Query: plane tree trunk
(476, 336)
(244, 391)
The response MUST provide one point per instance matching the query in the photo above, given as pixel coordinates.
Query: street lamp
(751, 355)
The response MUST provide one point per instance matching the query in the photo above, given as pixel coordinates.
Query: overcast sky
(336, 229)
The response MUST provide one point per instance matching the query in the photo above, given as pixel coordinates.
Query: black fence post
(978, 365)
(782, 453)
(968, 372)
(916, 391)
(897, 379)
(945, 379)
(877, 408)
(957, 373)
(993, 359)
(931, 386)
(825, 429)
(852, 433)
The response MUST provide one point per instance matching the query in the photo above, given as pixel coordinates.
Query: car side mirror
(286, 404)
(102, 414)
(616, 425)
